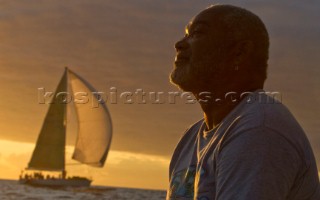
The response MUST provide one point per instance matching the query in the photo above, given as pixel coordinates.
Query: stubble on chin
(180, 77)
(191, 78)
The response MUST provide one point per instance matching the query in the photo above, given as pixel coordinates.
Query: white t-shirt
(258, 152)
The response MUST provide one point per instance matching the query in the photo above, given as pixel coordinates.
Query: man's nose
(182, 44)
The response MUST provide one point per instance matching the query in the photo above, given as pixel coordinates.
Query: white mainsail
(94, 131)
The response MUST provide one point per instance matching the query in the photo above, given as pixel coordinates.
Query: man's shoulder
(268, 118)
(265, 111)
(264, 115)
(196, 126)
(191, 131)
(186, 144)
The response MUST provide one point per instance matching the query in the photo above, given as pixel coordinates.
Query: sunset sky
(129, 45)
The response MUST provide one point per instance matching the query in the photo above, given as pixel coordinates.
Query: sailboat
(93, 129)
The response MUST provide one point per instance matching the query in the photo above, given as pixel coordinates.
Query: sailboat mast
(64, 172)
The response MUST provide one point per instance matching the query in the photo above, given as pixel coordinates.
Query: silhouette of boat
(93, 128)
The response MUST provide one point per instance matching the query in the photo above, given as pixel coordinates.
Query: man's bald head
(225, 48)
(240, 24)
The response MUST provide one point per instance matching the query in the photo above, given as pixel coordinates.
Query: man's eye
(196, 33)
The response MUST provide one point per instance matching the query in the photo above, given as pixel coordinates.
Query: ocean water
(12, 190)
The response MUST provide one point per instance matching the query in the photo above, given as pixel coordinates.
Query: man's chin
(179, 82)
(175, 77)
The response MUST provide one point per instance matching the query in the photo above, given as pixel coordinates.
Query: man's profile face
(199, 55)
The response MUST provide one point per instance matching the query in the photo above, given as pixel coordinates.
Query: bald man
(248, 146)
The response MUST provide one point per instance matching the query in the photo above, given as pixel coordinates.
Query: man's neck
(213, 115)
(220, 106)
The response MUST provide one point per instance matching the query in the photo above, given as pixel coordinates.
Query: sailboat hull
(73, 182)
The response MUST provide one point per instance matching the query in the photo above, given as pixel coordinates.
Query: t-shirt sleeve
(257, 164)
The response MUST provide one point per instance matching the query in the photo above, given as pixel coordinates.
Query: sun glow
(123, 169)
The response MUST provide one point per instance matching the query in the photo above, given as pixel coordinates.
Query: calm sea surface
(10, 189)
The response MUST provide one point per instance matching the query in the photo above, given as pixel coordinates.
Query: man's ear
(241, 51)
